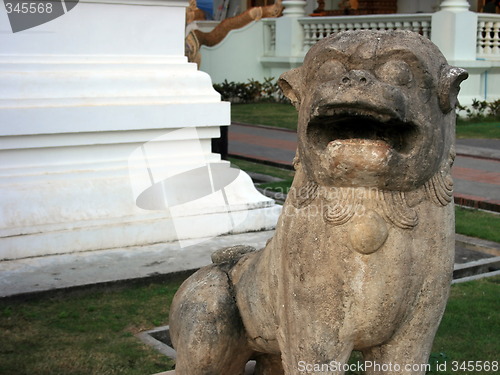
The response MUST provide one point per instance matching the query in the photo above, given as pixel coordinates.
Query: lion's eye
(395, 72)
(330, 69)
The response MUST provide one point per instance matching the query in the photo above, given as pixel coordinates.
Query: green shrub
(480, 110)
(251, 92)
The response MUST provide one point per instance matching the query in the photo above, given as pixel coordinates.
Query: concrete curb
(478, 244)
(478, 152)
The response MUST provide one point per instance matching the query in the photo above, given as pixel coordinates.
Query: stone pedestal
(105, 134)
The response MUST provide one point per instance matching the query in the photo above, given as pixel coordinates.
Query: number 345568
(473, 366)
(32, 8)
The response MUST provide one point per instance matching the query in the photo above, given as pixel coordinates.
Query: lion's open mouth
(355, 127)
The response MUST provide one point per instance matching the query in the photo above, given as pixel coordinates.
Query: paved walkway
(32, 275)
(476, 171)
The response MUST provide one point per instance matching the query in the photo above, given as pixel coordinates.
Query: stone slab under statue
(362, 257)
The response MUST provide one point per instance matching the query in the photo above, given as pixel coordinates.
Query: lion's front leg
(269, 364)
(399, 357)
(206, 328)
(311, 360)
(309, 346)
(407, 352)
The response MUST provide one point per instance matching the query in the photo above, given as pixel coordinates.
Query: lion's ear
(291, 84)
(449, 86)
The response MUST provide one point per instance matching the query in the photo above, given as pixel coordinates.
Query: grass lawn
(477, 223)
(250, 166)
(471, 325)
(271, 114)
(86, 332)
(285, 116)
(91, 332)
(487, 129)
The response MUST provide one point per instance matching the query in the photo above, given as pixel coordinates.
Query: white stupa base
(80, 192)
(104, 126)
(84, 211)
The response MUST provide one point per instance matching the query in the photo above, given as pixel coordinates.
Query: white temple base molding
(91, 213)
(79, 190)
(63, 193)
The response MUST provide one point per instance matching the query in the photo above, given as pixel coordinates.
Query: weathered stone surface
(362, 257)
(231, 253)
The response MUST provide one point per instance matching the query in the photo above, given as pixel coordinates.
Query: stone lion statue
(363, 252)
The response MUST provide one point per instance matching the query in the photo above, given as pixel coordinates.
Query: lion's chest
(360, 276)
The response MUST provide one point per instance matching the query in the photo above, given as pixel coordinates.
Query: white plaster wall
(237, 57)
(145, 36)
(483, 82)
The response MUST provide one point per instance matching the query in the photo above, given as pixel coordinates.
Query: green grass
(285, 116)
(469, 329)
(477, 223)
(271, 114)
(85, 333)
(279, 186)
(91, 332)
(486, 130)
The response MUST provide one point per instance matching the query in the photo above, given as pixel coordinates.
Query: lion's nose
(356, 77)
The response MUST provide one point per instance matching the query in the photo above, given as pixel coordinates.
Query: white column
(105, 130)
(454, 30)
(294, 8)
(455, 5)
(289, 33)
